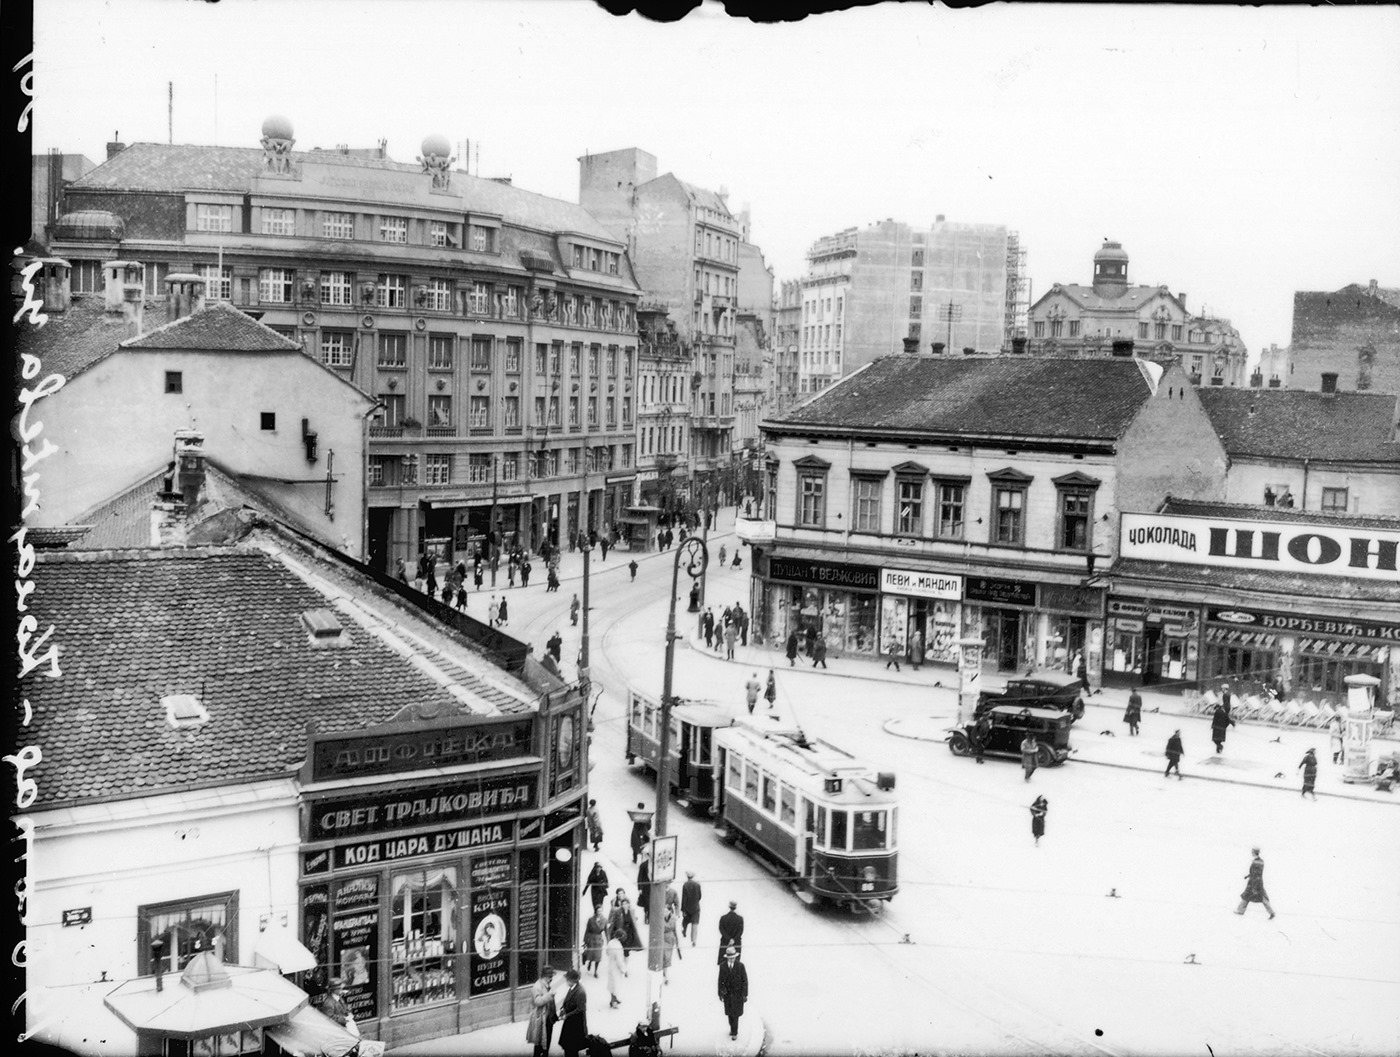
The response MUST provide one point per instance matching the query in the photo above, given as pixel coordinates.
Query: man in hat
(1225, 698)
(690, 906)
(540, 1030)
(1309, 766)
(731, 930)
(1254, 886)
(333, 1003)
(733, 988)
(573, 1011)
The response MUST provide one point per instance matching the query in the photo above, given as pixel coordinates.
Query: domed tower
(1110, 270)
(437, 159)
(277, 141)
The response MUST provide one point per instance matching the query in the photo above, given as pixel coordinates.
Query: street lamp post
(697, 557)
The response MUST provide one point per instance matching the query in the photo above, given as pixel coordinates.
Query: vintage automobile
(1008, 727)
(1054, 690)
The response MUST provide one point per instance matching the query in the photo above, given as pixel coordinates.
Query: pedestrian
(603, 544)
(1254, 886)
(670, 943)
(1039, 808)
(819, 652)
(632, 568)
(597, 885)
(644, 888)
(554, 646)
(707, 625)
(492, 612)
(673, 902)
(551, 581)
(641, 831)
(573, 1011)
(771, 691)
(333, 1004)
(1081, 669)
(733, 988)
(1309, 766)
(1220, 721)
(722, 553)
(502, 614)
(510, 571)
(430, 576)
(981, 734)
(690, 906)
(743, 624)
(1334, 738)
(731, 636)
(595, 825)
(916, 650)
(476, 575)
(622, 920)
(573, 610)
(731, 931)
(811, 639)
(1132, 715)
(447, 593)
(792, 648)
(1225, 697)
(1028, 751)
(614, 955)
(462, 597)
(401, 569)
(540, 1029)
(595, 934)
(524, 574)
(892, 652)
(694, 598)
(1174, 751)
(751, 691)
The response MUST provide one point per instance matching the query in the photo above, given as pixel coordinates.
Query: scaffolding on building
(1018, 291)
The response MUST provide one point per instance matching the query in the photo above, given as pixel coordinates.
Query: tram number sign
(867, 886)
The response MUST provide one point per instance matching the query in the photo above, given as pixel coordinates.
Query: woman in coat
(1029, 747)
(770, 692)
(819, 652)
(573, 1011)
(1132, 715)
(598, 885)
(670, 943)
(1040, 807)
(916, 650)
(1219, 722)
(595, 934)
(613, 954)
(792, 649)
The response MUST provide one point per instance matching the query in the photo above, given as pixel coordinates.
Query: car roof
(1034, 713)
(1059, 680)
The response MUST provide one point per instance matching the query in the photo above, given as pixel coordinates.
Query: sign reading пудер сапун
(1314, 547)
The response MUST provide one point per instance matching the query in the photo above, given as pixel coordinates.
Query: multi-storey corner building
(787, 311)
(664, 383)
(683, 243)
(496, 327)
(1346, 339)
(868, 290)
(1111, 317)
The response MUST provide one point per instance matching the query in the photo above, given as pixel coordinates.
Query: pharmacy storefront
(439, 866)
(1275, 601)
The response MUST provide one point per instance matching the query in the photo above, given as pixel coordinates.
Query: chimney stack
(134, 311)
(911, 346)
(115, 147)
(184, 294)
(55, 285)
(189, 462)
(168, 514)
(938, 348)
(118, 276)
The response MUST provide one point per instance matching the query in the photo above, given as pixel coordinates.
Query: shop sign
(1070, 598)
(439, 842)
(314, 862)
(1288, 547)
(77, 916)
(1129, 624)
(355, 929)
(827, 574)
(997, 592)
(315, 930)
(1341, 627)
(391, 751)
(920, 584)
(456, 801)
(1151, 611)
(491, 880)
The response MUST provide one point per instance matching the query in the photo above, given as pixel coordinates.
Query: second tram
(821, 815)
(690, 772)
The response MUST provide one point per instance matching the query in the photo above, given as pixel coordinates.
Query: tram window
(675, 735)
(894, 818)
(649, 722)
(736, 772)
(770, 797)
(868, 831)
(702, 746)
(821, 826)
(751, 782)
(787, 801)
(636, 714)
(838, 830)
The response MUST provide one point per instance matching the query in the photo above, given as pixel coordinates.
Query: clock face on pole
(564, 742)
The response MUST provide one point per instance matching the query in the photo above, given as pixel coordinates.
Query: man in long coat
(731, 931)
(1174, 752)
(690, 906)
(573, 1012)
(1254, 886)
(1220, 721)
(733, 988)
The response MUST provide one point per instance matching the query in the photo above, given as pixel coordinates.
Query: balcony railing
(441, 431)
(385, 431)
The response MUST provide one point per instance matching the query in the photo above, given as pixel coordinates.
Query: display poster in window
(315, 935)
(941, 641)
(491, 879)
(527, 929)
(894, 620)
(355, 958)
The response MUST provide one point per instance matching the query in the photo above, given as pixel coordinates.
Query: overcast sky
(1238, 154)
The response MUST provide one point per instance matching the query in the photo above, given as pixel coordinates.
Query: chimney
(115, 147)
(134, 310)
(1329, 382)
(184, 294)
(55, 285)
(1256, 381)
(189, 462)
(117, 277)
(911, 346)
(168, 515)
(938, 348)
(968, 350)
(1018, 346)
(1182, 298)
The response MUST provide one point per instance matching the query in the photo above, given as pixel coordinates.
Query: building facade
(1113, 317)
(665, 381)
(946, 497)
(1348, 339)
(684, 245)
(787, 335)
(49, 175)
(495, 327)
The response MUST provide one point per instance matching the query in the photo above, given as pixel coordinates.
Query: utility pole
(494, 537)
(952, 312)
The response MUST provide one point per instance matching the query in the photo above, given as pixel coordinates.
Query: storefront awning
(1319, 594)
(313, 1034)
(208, 998)
(452, 502)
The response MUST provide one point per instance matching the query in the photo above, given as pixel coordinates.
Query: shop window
(423, 937)
(865, 502)
(952, 502)
(909, 512)
(186, 927)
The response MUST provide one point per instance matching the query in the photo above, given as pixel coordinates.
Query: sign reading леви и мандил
(1314, 547)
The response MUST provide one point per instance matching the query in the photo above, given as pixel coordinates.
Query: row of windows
(714, 245)
(713, 283)
(1056, 328)
(822, 308)
(821, 335)
(337, 225)
(663, 440)
(597, 260)
(394, 414)
(848, 831)
(441, 468)
(943, 514)
(338, 350)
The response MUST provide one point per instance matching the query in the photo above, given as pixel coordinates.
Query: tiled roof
(1296, 424)
(217, 327)
(705, 198)
(1132, 297)
(1032, 397)
(224, 624)
(1346, 592)
(1250, 512)
(187, 167)
(72, 341)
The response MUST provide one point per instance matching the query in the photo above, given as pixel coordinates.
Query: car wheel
(959, 745)
(1044, 756)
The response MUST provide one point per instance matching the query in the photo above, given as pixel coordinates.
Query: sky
(1238, 154)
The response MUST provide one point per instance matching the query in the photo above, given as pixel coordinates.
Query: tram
(823, 817)
(690, 772)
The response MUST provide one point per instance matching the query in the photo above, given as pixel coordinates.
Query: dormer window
(324, 629)
(184, 711)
